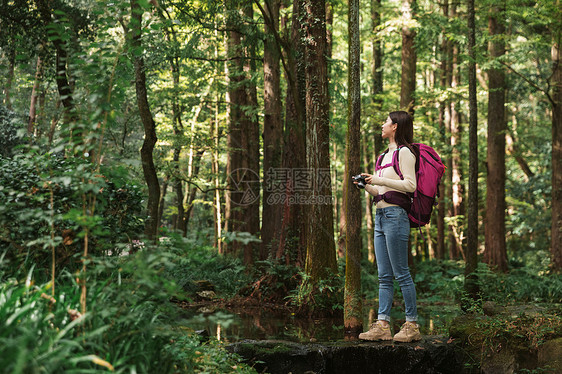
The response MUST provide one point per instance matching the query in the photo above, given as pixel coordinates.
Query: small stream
(253, 323)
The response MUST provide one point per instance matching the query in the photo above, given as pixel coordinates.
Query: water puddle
(253, 323)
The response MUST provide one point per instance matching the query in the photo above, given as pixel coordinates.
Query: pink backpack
(429, 170)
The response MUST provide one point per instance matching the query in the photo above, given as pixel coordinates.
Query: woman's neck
(392, 144)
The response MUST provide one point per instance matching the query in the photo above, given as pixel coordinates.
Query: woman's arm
(373, 190)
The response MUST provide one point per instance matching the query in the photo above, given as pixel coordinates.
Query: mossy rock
(466, 328)
(550, 355)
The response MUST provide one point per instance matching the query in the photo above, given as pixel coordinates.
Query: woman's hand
(372, 179)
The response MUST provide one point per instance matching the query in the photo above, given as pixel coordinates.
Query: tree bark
(292, 232)
(353, 308)
(456, 169)
(251, 143)
(495, 250)
(272, 128)
(409, 58)
(471, 287)
(236, 99)
(556, 233)
(148, 167)
(320, 256)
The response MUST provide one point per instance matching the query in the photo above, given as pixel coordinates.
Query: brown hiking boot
(410, 332)
(377, 332)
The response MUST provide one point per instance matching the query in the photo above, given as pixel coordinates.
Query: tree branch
(533, 84)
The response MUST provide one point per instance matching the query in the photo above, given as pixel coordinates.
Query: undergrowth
(129, 325)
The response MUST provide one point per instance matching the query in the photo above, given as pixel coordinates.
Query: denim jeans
(392, 230)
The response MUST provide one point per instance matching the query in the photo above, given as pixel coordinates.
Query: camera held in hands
(360, 179)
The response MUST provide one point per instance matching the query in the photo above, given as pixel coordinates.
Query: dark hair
(405, 130)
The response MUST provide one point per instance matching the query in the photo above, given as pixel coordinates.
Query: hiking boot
(409, 332)
(377, 332)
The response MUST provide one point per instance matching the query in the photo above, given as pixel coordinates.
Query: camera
(360, 179)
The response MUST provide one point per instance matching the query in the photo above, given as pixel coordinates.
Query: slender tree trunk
(320, 256)
(9, 78)
(556, 240)
(409, 58)
(495, 251)
(272, 128)
(163, 192)
(471, 282)
(34, 95)
(148, 167)
(215, 126)
(353, 308)
(456, 169)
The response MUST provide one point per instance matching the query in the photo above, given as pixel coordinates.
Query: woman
(392, 228)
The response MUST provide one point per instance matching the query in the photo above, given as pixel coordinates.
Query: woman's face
(388, 128)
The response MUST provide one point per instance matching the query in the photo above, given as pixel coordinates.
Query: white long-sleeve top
(387, 179)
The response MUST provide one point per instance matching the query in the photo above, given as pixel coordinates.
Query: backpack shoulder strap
(395, 162)
(379, 160)
(395, 159)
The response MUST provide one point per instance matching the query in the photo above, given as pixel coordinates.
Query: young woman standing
(392, 228)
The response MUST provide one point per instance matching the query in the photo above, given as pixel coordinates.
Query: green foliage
(130, 325)
(322, 297)
(30, 226)
(11, 128)
(226, 273)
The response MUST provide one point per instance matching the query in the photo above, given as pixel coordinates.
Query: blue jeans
(392, 230)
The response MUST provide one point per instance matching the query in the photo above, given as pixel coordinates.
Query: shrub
(30, 225)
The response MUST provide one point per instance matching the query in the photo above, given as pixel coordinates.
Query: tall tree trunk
(556, 240)
(149, 170)
(353, 308)
(495, 251)
(272, 127)
(236, 99)
(292, 233)
(320, 256)
(471, 282)
(251, 143)
(456, 169)
(409, 58)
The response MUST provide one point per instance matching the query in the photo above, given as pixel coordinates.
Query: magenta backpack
(429, 170)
